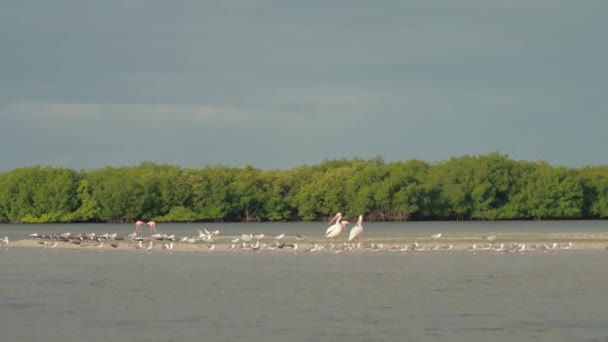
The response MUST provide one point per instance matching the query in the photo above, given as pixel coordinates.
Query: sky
(277, 84)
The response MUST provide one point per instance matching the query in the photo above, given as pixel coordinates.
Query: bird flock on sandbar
(214, 240)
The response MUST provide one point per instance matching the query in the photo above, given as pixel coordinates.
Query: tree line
(484, 187)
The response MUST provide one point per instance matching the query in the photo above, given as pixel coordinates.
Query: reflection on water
(76, 295)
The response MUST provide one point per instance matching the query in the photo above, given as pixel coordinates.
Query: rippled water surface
(113, 295)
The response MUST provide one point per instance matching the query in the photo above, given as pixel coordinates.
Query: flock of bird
(263, 242)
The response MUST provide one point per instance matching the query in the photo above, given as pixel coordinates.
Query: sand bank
(500, 242)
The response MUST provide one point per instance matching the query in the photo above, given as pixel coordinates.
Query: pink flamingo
(138, 225)
(152, 225)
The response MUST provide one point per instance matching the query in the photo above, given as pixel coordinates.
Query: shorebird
(5, 241)
(436, 236)
(168, 246)
(333, 231)
(279, 237)
(235, 240)
(300, 237)
(356, 230)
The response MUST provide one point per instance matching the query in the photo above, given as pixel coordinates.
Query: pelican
(436, 236)
(333, 231)
(356, 230)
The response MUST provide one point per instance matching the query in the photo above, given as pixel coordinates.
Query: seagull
(279, 237)
(436, 236)
(300, 237)
(356, 230)
(215, 232)
(235, 240)
(259, 236)
(247, 237)
(4, 241)
(490, 238)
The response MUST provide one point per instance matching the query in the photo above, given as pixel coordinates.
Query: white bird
(333, 231)
(247, 237)
(150, 245)
(259, 236)
(490, 238)
(356, 230)
(436, 236)
(215, 232)
(4, 241)
(235, 240)
(300, 237)
(168, 246)
(279, 237)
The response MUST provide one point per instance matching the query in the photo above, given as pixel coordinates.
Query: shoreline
(500, 242)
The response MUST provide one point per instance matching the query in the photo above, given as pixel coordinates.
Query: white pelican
(356, 230)
(436, 236)
(333, 231)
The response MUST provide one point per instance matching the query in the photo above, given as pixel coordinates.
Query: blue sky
(277, 84)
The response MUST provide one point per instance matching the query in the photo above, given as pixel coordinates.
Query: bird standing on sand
(333, 231)
(356, 230)
(436, 236)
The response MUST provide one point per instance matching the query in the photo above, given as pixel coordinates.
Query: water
(111, 295)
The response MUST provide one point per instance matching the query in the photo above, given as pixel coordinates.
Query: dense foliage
(486, 187)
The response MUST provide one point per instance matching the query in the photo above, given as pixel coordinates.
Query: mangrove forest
(484, 187)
